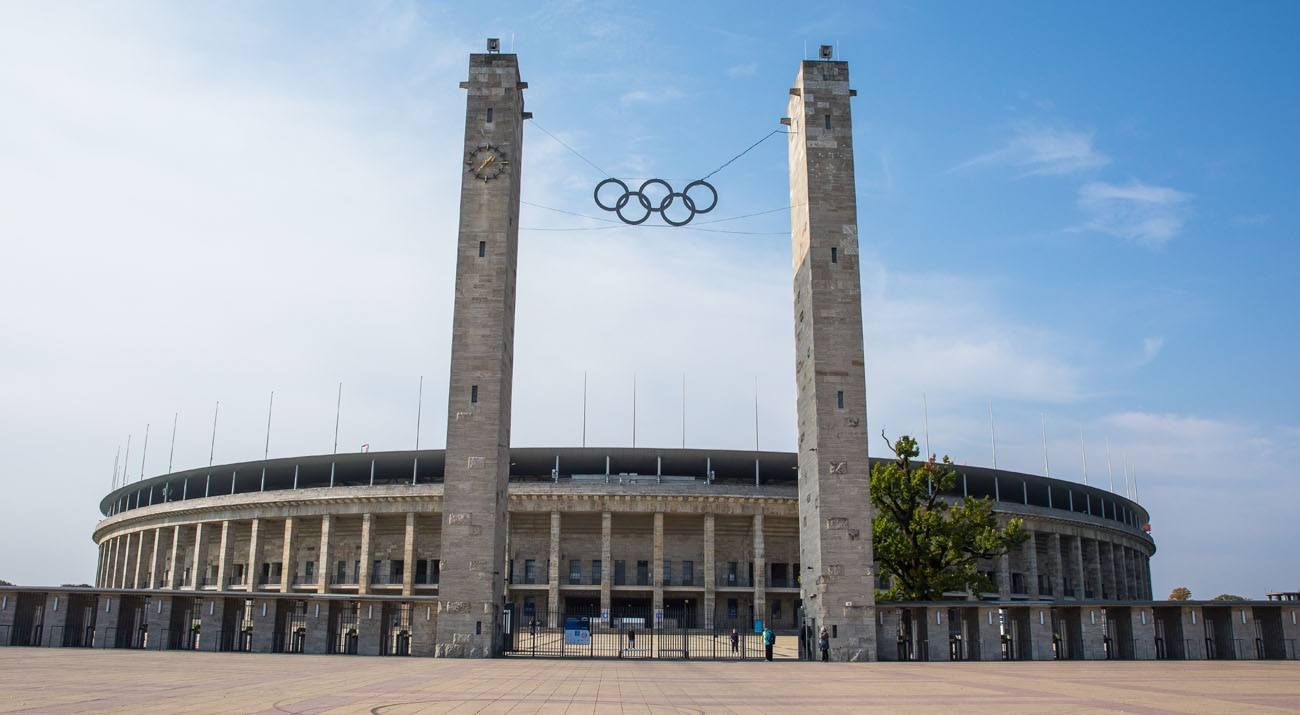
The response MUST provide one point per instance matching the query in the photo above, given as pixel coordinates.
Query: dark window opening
(489, 115)
(482, 248)
(835, 255)
(828, 121)
(473, 393)
(839, 399)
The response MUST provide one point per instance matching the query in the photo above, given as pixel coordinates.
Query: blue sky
(1077, 213)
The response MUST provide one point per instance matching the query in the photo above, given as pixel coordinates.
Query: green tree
(925, 544)
(1229, 597)
(1180, 593)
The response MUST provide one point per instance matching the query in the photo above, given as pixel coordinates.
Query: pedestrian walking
(769, 640)
(735, 641)
(824, 643)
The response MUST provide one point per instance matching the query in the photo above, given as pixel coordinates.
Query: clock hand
(491, 158)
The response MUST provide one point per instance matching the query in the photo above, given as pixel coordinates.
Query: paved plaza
(68, 680)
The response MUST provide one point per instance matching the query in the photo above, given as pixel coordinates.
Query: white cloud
(1151, 347)
(1146, 214)
(1040, 150)
(749, 69)
(663, 95)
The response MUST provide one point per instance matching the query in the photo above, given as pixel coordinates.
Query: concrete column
(254, 555)
(606, 566)
(1040, 634)
(1143, 625)
(139, 559)
(760, 569)
(424, 629)
(210, 620)
(1031, 565)
(1106, 549)
(408, 557)
(1243, 633)
(160, 622)
(888, 622)
(936, 634)
(264, 612)
(710, 574)
(1092, 558)
(287, 567)
(56, 617)
(200, 563)
(318, 625)
(989, 635)
(326, 567)
(1057, 567)
(155, 560)
(367, 552)
(369, 632)
(1121, 573)
(106, 621)
(1004, 577)
(115, 575)
(1092, 632)
(657, 565)
(553, 575)
(223, 557)
(1076, 548)
(1193, 623)
(174, 560)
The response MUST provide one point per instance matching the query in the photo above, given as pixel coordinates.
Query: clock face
(486, 162)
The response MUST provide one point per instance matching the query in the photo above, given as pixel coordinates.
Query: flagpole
(634, 410)
(212, 449)
(116, 457)
(126, 462)
(1083, 452)
(171, 453)
(993, 433)
(1109, 470)
(144, 452)
(925, 410)
(1047, 467)
(584, 408)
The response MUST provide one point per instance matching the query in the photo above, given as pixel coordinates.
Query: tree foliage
(1180, 593)
(925, 544)
(1229, 597)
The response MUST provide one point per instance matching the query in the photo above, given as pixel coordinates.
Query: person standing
(824, 643)
(769, 640)
(631, 639)
(735, 641)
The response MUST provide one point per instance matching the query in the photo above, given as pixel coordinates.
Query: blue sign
(758, 625)
(577, 631)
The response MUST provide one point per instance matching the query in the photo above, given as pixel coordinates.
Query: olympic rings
(648, 207)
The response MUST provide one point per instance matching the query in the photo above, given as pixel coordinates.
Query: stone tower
(482, 360)
(838, 583)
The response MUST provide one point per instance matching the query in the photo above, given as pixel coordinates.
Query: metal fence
(634, 634)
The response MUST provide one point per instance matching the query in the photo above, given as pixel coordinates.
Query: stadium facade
(483, 548)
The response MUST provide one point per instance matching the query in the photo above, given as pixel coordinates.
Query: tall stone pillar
(1057, 566)
(760, 569)
(657, 566)
(408, 556)
(287, 567)
(174, 560)
(1004, 577)
(139, 559)
(482, 355)
(223, 557)
(1076, 553)
(156, 567)
(553, 575)
(126, 563)
(606, 566)
(1031, 564)
(326, 568)
(834, 507)
(200, 562)
(710, 572)
(254, 575)
(1111, 585)
(367, 552)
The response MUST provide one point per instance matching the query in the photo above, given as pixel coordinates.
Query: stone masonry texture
(834, 507)
(482, 357)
